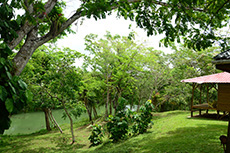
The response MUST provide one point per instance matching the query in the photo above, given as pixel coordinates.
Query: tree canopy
(196, 23)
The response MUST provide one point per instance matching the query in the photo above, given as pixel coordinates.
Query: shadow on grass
(23, 143)
(212, 116)
(7, 146)
(203, 139)
(63, 148)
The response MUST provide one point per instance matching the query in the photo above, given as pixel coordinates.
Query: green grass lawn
(172, 132)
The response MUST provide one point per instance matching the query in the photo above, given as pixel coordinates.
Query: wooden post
(207, 93)
(207, 96)
(228, 137)
(200, 98)
(193, 89)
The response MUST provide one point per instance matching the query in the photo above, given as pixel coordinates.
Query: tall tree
(114, 58)
(55, 82)
(35, 74)
(63, 82)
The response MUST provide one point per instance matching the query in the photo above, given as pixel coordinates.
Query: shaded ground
(213, 116)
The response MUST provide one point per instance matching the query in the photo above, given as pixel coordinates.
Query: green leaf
(3, 93)
(9, 105)
(29, 95)
(13, 89)
(2, 61)
(22, 84)
(9, 75)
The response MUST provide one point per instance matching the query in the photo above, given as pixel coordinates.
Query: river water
(26, 123)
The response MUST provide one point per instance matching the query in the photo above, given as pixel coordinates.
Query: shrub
(117, 126)
(96, 135)
(142, 121)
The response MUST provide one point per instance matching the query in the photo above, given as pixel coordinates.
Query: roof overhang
(223, 65)
(223, 77)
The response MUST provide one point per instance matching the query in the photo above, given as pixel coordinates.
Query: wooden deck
(203, 106)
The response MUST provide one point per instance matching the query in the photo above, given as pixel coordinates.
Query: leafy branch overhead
(193, 22)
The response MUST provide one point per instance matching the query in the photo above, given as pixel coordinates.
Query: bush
(117, 126)
(96, 135)
(141, 122)
(145, 116)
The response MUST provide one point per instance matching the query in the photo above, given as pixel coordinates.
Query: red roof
(223, 77)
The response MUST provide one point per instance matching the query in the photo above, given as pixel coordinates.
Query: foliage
(187, 63)
(13, 91)
(142, 121)
(113, 62)
(44, 72)
(76, 110)
(96, 136)
(56, 81)
(195, 22)
(117, 126)
(9, 22)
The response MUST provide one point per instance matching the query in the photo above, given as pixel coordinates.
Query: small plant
(117, 126)
(142, 121)
(96, 135)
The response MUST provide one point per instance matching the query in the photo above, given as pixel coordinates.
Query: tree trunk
(116, 102)
(89, 111)
(50, 118)
(110, 107)
(88, 108)
(107, 101)
(46, 112)
(71, 122)
(94, 112)
(139, 103)
(26, 51)
(51, 115)
(32, 42)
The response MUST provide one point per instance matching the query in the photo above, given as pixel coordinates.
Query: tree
(154, 77)
(35, 75)
(55, 82)
(113, 59)
(90, 93)
(63, 83)
(194, 21)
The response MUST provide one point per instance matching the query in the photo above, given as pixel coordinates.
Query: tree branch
(27, 27)
(52, 34)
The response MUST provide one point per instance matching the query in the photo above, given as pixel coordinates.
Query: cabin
(221, 83)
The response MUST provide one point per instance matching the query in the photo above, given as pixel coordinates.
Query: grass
(172, 132)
